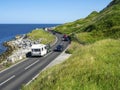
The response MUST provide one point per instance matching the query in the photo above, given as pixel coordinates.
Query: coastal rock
(8, 52)
(22, 46)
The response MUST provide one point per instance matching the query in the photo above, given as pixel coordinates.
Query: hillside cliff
(103, 24)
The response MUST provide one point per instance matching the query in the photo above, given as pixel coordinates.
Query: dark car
(53, 32)
(64, 35)
(65, 38)
(59, 48)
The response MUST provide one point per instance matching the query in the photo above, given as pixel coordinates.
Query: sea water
(9, 31)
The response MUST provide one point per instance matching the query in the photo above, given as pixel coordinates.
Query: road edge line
(24, 59)
(45, 68)
(7, 80)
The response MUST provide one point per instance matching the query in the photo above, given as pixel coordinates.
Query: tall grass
(45, 37)
(88, 37)
(91, 67)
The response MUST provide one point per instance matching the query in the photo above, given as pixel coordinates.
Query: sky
(47, 11)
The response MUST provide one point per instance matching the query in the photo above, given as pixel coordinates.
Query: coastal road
(21, 73)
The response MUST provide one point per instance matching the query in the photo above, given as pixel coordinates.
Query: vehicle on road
(38, 50)
(65, 38)
(59, 48)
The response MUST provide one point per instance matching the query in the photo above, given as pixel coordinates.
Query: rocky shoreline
(17, 49)
(4, 55)
(8, 52)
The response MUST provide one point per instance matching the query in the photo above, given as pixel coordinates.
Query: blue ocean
(9, 31)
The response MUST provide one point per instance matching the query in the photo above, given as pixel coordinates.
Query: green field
(45, 37)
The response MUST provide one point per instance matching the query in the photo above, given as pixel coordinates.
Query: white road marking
(45, 67)
(31, 65)
(55, 41)
(7, 80)
(32, 79)
(26, 58)
(13, 65)
(38, 73)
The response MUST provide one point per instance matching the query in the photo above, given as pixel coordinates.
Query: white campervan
(38, 50)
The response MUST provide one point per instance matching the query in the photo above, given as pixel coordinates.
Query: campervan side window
(36, 50)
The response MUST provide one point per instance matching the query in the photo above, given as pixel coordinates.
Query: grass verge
(45, 37)
(91, 67)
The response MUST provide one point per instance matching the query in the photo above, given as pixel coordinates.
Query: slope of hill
(93, 66)
(77, 25)
(104, 24)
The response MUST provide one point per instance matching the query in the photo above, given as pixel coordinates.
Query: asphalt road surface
(20, 74)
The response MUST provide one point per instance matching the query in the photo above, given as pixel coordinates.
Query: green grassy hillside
(105, 24)
(91, 67)
(95, 60)
(76, 26)
(41, 34)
